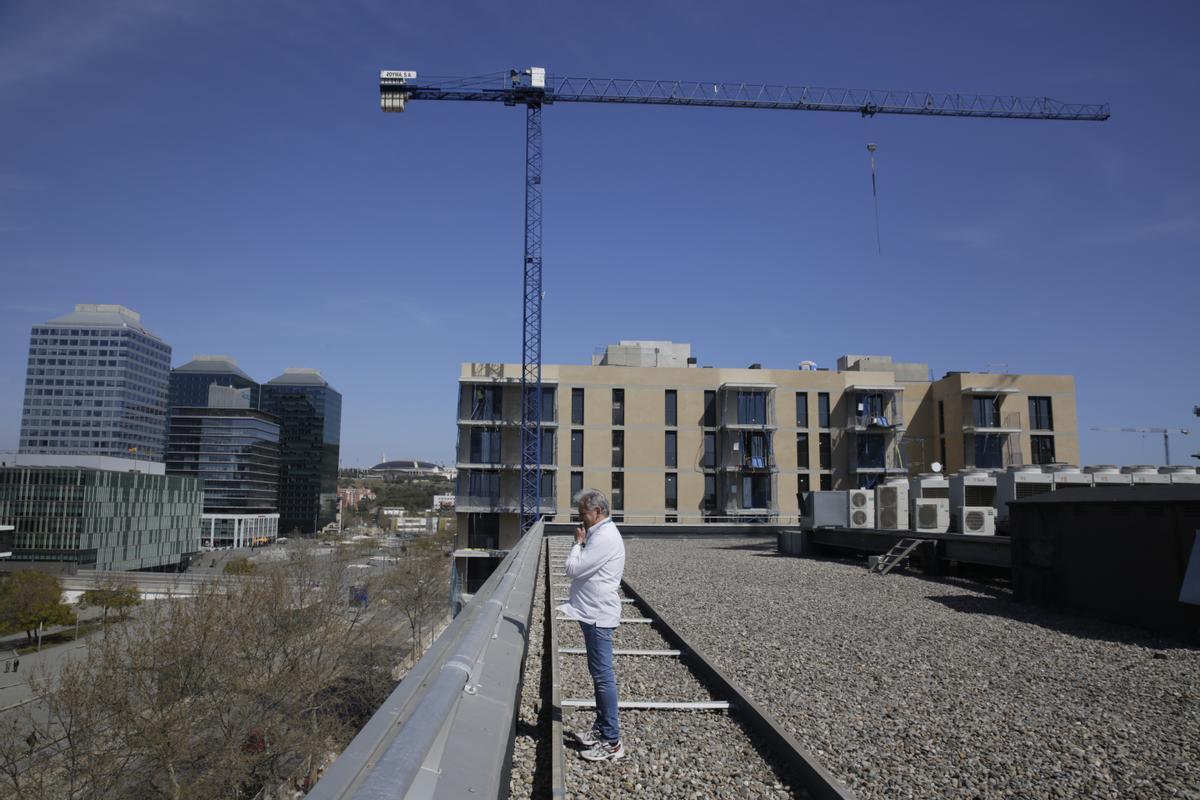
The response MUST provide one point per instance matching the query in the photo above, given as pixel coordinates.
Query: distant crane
(533, 88)
(1166, 434)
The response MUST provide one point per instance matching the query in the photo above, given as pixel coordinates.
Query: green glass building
(100, 519)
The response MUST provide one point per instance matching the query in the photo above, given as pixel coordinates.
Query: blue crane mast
(534, 89)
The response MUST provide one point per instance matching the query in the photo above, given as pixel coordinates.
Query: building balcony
(746, 450)
(989, 391)
(858, 423)
(496, 405)
(874, 407)
(746, 406)
(993, 423)
(500, 504)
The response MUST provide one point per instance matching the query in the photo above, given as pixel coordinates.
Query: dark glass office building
(96, 384)
(190, 383)
(309, 411)
(235, 452)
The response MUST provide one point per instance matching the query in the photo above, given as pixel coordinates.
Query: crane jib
(868, 102)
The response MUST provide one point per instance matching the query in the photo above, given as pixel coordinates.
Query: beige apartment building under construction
(672, 442)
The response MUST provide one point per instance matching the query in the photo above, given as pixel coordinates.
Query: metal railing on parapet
(447, 730)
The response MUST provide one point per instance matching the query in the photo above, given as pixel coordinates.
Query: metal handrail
(388, 757)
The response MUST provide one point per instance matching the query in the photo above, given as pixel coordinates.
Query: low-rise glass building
(99, 519)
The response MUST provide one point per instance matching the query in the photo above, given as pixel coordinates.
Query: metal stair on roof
(900, 551)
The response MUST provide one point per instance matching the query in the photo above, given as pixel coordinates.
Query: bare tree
(247, 683)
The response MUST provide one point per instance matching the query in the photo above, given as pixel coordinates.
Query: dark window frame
(577, 454)
(618, 406)
(709, 420)
(825, 450)
(577, 414)
(1041, 449)
(802, 455)
(1041, 409)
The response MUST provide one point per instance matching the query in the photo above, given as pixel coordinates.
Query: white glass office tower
(96, 384)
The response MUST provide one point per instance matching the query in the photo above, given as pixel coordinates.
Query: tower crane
(534, 89)
(1166, 434)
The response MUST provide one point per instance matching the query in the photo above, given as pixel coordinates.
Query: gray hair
(592, 500)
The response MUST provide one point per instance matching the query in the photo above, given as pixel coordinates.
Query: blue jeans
(598, 642)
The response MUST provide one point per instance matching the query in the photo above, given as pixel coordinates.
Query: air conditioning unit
(1181, 474)
(860, 505)
(978, 520)
(1069, 477)
(1144, 474)
(824, 510)
(891, 506)
(1017, 483)
(1107, 475)
(971, 488)
(931, 514)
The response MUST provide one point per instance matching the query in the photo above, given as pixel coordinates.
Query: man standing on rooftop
(595, 566)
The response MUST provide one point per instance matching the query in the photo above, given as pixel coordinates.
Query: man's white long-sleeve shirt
(595, 569)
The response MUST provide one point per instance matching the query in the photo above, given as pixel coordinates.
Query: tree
(247, 685)
(30, 599)
(420, 585)
(111, 595)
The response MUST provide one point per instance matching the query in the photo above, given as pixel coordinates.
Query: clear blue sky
(223, 168)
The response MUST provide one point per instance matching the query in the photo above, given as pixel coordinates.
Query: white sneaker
(604, 751)
(590, 737)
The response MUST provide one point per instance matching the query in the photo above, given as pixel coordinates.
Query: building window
(709, 458)
(671, 491)
(803, 483)
(618, 449)
(617, 501)
(576, 448)
(547, 409)
(618, 405)
(485, 401)
(801, 409)
(576, 484)
(577, 406)
(752, 408)
(825, 450)
(985, 411)
(1041, 418)
(942, 449)
(710, 409)
(671, 456)
(989, 450)
(823, 409)
(485, 446)
(756, 491)
(826, 482)
(671, 407)
(942, 420)
(802, 450)
(548, 488)
(1043, 449)
(547, 446)
(710, 492)
(483, 531)
(869, 451)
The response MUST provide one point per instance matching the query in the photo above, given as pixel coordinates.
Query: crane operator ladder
(534, 89)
